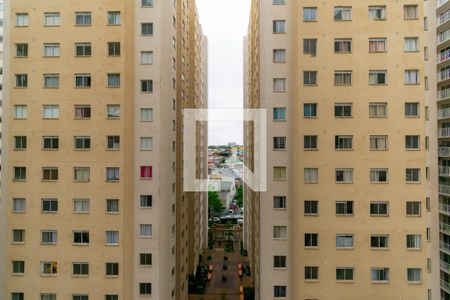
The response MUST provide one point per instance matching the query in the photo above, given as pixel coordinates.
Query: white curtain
(82, 174)
(378, 175)
(279, 84)
(311, 174)
(112, 237)
(411, 44)
(279, 231)
(411, 76)
(377, 45)
(378, 110)
(377, 13)
(146, 230)
(378, 142)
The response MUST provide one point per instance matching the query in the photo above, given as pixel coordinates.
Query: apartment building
(90, 206)
(350, 202)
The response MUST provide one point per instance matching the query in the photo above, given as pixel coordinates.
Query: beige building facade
(350, 210)
(90, 198)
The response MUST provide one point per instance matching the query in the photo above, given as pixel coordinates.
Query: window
(146, 143)
(414, 275)
(413, 209)
(49, 205)
(378, 110)
(342, 78)
(411, 44)
(411, 12)
(342, 13)
(145, 288)
(21, 19)
(379, 274)
(279, 291)
(21, 80)
(19, 205)
(146, 57)
(343, 142)
(145, 230)
(343, 110)
(114, 48)
(275, 2)
(113, 17)
(310, 110)
(279, 232)
(279, 261)
(279, 173)
(146, 28)
(147, 3)
(344, 241)
(82, 142)
(81, 174)
(20, 173)
(20, 111)
(113, 142)
(344, 208)
(279, 26)
(113, 111)
(51, 19)
(279, 114)
(83, 80)
(18, 235)
(50, 142)
(309, 77)
(279, 55)
(309, 14)
(81, 205)
(379, 241)
(411, 76)
(377, 77)
(344, 274)
(279, 202)
(112, 205)
(51, 50)
(342, 46)
(49, 174)
(50, 112)
(20, 142)
(113, 80)
(311, 207)
(80, 269)
(146, 172)
(311, 240)
(49, 267)
(411, 109)
(48, 296)
(80, 237)
(378, 175)
(146, 86)
(310, 142)
(51, 81)
(145, 259)
(279, 143)
(112, 237)
(311, 175)
(80, 297)
(344, 175)
(17, 296)
(412, 142)
(279, 84)
(311, 273)
(146, 114)
(377, 45)
(83, 18)
(49, 237)
(18, 267)
(412, 175)
(112, 269)
(310, 46)
(82, 112)
(379, 208)
(21, 50)
(146, 201)
(377, 13)
(413, 241)
(112, 174)
(83, 49)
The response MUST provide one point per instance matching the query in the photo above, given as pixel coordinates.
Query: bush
(225, 267)
(224, 278)
(209, 257)
(225, 258)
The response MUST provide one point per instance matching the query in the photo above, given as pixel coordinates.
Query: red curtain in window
(146, 172)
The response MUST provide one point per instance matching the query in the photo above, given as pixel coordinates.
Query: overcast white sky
(225, 23)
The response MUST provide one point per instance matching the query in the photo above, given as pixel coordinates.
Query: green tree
(239, 196)
(214, 204)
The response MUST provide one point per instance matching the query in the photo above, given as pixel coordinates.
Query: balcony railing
(444, 151)
(444, 132)
(444, 189)
(445, 208)
(444, 171)
(443, 113)
(441, 2)
(442, 18)
(445, 285)
(444, 227)
(445, 246)
(443, 94)
(443, 37)
(443, 56)
(445, 266)
(444, 75)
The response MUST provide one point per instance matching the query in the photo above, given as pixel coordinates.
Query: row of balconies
(444, 75)
(445, 228)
